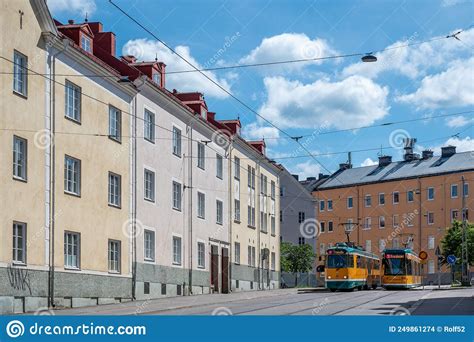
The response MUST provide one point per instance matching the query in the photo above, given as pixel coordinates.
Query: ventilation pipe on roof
(427, 154)
(385, 160)
(296, 177)
(448, 151)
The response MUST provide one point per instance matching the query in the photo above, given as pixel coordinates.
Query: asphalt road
(290, 302)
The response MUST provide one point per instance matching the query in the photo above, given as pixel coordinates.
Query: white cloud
(368, 162)
(449, 3)
(462, 145)
(255, 131)
(81, 7)
(355, 101)
(148, 50)
(414, 61)
(306, 169)
(288, 46)
(453, 87)
(458, 121)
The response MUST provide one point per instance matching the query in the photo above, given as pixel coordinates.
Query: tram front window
(340, 261)
(394, 266)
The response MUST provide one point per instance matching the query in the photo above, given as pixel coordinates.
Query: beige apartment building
(64, 238)
(409, 203)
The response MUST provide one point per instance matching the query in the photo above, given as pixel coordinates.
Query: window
(301, 216)
(396, 197)
(251, 216)
(466, 189)
(368, 245)
(115, 124)
(322, 248)
(73, 102)
(71, 250)
(382, 222)
(19, 157)
(395, 243)
(219, 212)
(431, 267)
(20, 73)
(431, 242)
(263, 185)
(454, 215)
(273, 261)
(114, 189)
(176, 196)
(149, 179)
(350, 202)
(237, 210)
(273, 225)
(321, 205)
(410, 196)
(301, 240)
(237, 253)
(396, 220)
(323, 226)
(201, 205)
(430, 194)
(176, 250)
(329, 205)
(72, 175)
(19, 242)
(282, 191)
(272, 189)
(177, 142)
(149, 245)
(201, 255)
(263, 222)
(430, 217)
(330, 226)
(382, 244)
(149, 126)
(237, 168)
(281, 215)
(382, 199)
(86, 43)
(251, 256)
(254, 259)
(157, 78)
(454, 190)
(368, 200)
(201, 161)
(114, 256)
(219, 166)
(368, 223)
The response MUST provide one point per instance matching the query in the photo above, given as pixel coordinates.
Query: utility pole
(464, 247)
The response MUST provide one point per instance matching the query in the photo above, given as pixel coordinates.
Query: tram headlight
(329, 277)
(345, 277)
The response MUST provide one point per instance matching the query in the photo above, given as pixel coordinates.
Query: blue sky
(312, 98)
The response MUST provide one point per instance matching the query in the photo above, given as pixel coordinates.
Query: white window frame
(86, 43)
(382, 219)
(428, 194)
(201, 254)
(219, 166)
(368, 223)
(19, 243)
(429, 215)
(201, 205)
(237, 210)
(20, 158)
(115, 124)
(149, 185)
(465, 190)
(383, 196)
(72, 186)
(369, 198)
(330, 207)
(322, 205)
(149, 245)
(201, 155)
(74, 245)
(408, 196)
(330, 226)
(393, 197)
(177, 195)
(149, 125)
(457, 190)
(431, 242)
(115, 190)
(114, 256)
(20, 73)
(73, 102)
(177, 249)
(177, 137)
(351, 200)
(237, 168)
(219, 212)
(237, 253)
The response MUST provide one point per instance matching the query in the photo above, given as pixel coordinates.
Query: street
(290, 302)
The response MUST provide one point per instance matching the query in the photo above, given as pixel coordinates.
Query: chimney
(344, 166)
(129, 59)
(448, 151)
(309, 179)
(96, 27)
(211, 116)
(70, 21)
(296, 177)
(427, 154)
(105, 41)
(409, 145)
(163, 74)
(385, 160)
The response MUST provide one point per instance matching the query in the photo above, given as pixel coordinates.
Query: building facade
(409, 203)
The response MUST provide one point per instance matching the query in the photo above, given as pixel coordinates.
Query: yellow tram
(401, 269)
(348, 267)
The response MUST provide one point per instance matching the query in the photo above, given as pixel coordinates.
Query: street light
(369, 58)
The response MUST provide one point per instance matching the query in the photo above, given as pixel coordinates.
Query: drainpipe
(229, 210)
(358, 216)
(420, 200)
(257, 209)
(190, 206)
(134, 199)
(52, 170)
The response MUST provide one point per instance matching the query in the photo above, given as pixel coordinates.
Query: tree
(296, 258)
(451, 243)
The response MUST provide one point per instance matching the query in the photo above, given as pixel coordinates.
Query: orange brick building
(395, 204)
